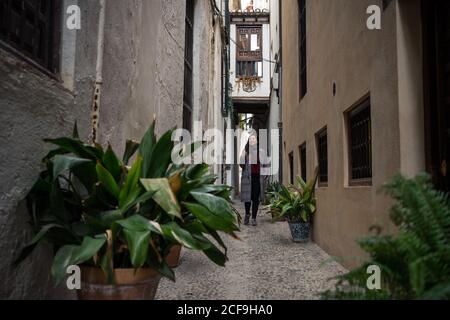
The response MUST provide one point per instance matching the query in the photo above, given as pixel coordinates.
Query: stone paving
(265, 265)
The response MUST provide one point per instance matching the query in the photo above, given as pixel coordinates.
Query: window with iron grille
(249, 51)
(322, 154)
(32, 28)
(302, 150)
(303, 78)
(188, 66)
(360, 143)
(291, 168)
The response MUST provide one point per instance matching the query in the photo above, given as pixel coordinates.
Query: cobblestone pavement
(265, 265)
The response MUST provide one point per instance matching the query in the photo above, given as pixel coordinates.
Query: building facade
(254, 47)
(356, 103)
(128, 62)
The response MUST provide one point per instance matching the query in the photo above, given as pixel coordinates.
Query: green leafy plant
(98, 211)
(296, 203)
(272, 191)
(415, 262)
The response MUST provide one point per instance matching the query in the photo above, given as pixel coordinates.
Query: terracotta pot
(173, 258)
(141, 285)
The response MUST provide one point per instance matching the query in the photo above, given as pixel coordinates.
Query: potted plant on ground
(272, 196)
(297, 204)
(119, 222)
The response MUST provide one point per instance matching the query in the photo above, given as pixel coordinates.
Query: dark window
(436, 35)
(303, 161)
(302, 48)
(322, 153)
(32, 27)
(360, 143)
(247, 69)
(291, 167)
(188, 66)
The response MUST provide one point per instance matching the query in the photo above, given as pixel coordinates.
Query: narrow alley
(147, 146)
(265, 265)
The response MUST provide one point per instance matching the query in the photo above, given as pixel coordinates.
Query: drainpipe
(226, 110)
(227, 57)
(98, 73)
(280, 86)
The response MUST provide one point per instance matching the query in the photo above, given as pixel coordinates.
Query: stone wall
(143, 76)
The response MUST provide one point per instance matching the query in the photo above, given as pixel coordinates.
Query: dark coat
(246, 179)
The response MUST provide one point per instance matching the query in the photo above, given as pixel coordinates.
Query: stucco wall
(341, 49)
(35, 107)
(143, 68)
(143, 76)
(411, 84)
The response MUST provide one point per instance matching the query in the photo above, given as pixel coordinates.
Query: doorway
(436, 31)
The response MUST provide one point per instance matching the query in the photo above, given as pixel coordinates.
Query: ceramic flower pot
(129, 285)
(173, 258)
(301, 231)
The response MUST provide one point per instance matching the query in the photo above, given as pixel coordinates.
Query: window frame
(359, 107)
(249, 59)
(291, 167)
(50, 63)
(303, 161)
(319, 135)
(253, 66)
(302, 49)
(188, 89)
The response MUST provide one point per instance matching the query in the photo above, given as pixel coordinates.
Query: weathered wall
(34, 107)
(341, 49)
(143, 68)
(143, 76)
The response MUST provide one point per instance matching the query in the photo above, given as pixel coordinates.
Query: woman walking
(252, 181)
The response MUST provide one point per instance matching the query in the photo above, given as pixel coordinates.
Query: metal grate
(32, 27)
(322, 150)
(188, 66)
(303, 161)
(360, 142)
(303, 80)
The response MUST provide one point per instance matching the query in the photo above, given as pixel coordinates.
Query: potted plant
(297, 204)
(119, 222)
(272, 195)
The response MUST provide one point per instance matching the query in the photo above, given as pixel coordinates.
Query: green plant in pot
(204, 208)
(272, 196)
(296, 204)
(120, 222)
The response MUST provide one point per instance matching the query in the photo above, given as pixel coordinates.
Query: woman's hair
(252, 134)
